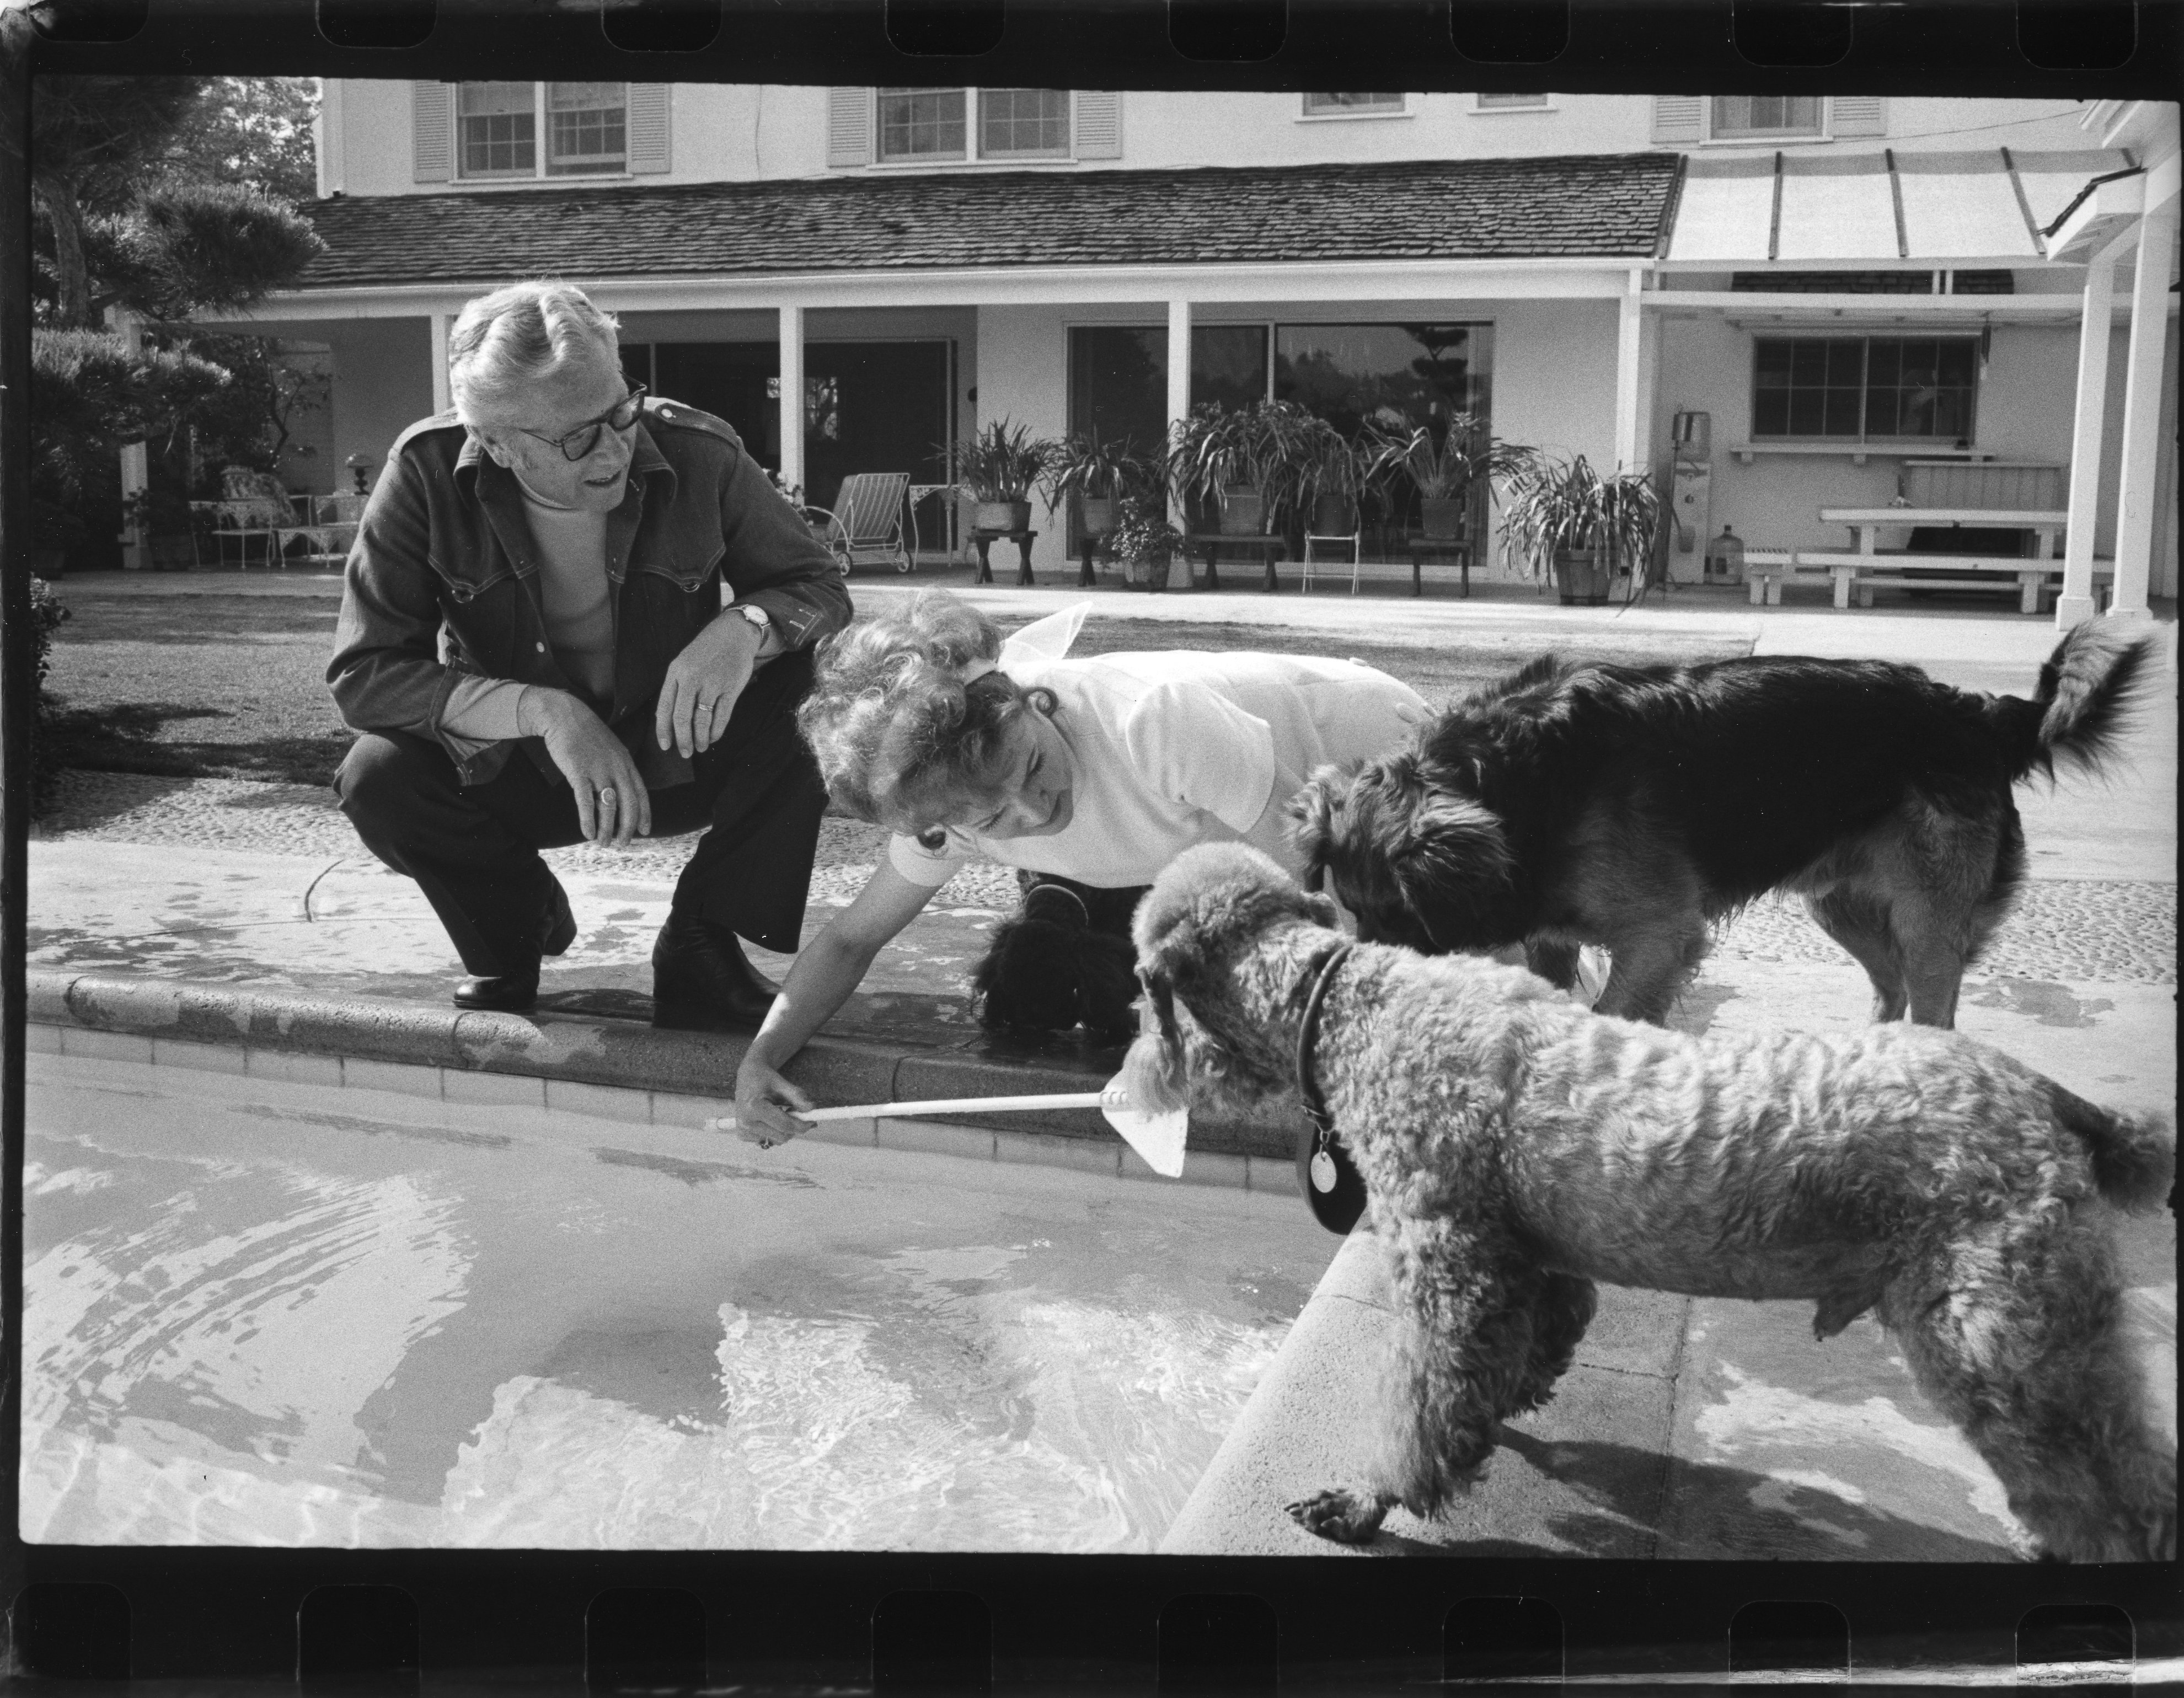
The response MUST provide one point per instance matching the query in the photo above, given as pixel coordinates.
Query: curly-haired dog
(1629, 806)
(1062, 961)
(1515, 1148)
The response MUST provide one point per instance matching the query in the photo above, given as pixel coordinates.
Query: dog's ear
(1152, 1072)
(1312, 815)
(1451, 859)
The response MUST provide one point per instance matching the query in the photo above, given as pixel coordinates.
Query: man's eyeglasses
(580, 442)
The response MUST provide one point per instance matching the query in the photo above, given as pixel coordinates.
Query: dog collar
(1330, 1182)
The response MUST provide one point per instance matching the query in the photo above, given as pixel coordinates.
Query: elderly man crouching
(533, 645)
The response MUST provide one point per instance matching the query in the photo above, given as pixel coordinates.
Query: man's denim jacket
(442, 581)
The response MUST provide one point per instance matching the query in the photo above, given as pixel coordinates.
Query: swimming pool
(259, 1312)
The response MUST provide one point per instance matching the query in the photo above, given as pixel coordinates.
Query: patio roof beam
(1381, 282)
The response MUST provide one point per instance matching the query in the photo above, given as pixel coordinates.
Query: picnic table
(1864, 567)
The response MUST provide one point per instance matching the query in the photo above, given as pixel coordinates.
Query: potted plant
(1143, 542)
(1000, 466)
(1445, 465)
(1564, 518)
(1099, 474)
(1337, 472)
(1250, 460)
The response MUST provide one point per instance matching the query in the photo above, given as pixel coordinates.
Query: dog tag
(1322, 1172)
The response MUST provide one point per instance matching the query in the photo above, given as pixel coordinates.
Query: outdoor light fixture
(359, 469)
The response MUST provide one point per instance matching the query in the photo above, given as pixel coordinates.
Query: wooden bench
(1767, 569)
(1861, 574)
(1210, 544)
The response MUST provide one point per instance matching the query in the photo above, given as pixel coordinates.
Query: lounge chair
(867, 525)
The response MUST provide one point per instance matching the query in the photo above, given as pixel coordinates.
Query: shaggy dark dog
(1062, 960)
(1515, 1148)
(1629, 806)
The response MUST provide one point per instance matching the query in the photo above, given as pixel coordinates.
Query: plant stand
(1420, 547)
(1211, 542)
(983, 540)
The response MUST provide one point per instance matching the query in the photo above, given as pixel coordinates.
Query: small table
(1209, 543)
(983, 539)
(1422, 546)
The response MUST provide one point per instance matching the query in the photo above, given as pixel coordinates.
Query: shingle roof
(1608, 205)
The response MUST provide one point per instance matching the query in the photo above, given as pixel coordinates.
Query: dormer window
(499, 123)
(1737, 116)
(971, 126)
(1353, 105)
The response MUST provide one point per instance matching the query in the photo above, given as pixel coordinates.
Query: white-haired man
(534, 648)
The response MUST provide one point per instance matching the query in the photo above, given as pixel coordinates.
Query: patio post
(2142, 413)
(1178, 389)
(136, 457)
(1627, 327)
(443, 394)
(2074, 605)
(791, 366)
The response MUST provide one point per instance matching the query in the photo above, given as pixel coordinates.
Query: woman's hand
(763, 1098)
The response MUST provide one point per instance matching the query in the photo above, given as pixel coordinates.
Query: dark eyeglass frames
(580, 442)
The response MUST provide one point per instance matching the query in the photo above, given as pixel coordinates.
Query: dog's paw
(1350, 1516)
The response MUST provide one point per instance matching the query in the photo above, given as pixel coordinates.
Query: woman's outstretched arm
(831, 966)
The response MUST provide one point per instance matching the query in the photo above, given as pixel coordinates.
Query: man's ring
(606, 796)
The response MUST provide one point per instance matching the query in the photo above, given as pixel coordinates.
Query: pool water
(259, 1312)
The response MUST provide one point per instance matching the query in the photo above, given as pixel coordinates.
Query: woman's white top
(1176, 749)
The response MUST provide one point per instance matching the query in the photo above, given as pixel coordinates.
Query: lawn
(234, 685)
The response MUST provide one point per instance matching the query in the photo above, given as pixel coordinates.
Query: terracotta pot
(1097, 512)
(1001, 515)
(1441, 516)
(1581, 577)
(1242, 511)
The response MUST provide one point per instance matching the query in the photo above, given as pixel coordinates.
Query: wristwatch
(756, 615)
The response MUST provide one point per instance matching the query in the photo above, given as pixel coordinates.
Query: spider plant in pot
(1563, 518)
(1099, 474)
(1331, 479)
(1000, 466)
(1447, 463)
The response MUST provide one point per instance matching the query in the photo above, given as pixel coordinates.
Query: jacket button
(541, 648)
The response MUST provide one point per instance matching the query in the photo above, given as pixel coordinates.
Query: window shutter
(647, 115)
(431, 131)
(1858, 115)
(1099, 120)
(849, 126)
(1677, 118)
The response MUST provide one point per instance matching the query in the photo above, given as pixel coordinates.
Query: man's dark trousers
(474, 851)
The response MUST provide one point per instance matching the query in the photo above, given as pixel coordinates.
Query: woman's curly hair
(889, 718)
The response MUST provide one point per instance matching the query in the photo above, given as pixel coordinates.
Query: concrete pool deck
(237, 926)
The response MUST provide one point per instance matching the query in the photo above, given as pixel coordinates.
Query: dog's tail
(2087, 688)
(2134, 1156)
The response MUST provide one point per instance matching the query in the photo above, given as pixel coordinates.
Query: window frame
(1526, 102)
(973, 153)
(1819, 132)
(541, 120)
(1864, 437)
(1396, 105)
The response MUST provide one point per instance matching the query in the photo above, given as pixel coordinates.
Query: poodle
(1630, 806)
(1063, 960)
(1515, 1148)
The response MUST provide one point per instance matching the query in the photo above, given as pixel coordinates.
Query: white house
(1843, 285)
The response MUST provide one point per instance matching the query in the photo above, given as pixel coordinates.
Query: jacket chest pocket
(491, 626)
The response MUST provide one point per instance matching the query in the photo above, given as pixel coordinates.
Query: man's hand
(703, 683)
(612, 804)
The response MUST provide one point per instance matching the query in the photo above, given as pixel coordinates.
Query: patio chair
(252, 504)
(1353, 539)
(867, 527)
(327, 536)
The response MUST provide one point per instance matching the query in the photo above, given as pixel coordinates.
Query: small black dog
(1628, 806)
(1065, 959)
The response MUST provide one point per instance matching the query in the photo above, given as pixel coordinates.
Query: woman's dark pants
(474, 851)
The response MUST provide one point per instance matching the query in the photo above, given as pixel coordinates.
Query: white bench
(1861, 574)
(1767, 569)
